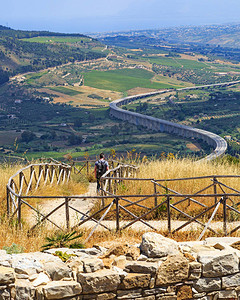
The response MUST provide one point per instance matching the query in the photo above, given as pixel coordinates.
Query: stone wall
(158, 268)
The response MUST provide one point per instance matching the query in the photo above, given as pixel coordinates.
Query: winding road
(218, 143)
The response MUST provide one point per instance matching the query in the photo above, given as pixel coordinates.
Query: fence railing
(32, 177)
(85, 165)
(113, 177)
(215, 198)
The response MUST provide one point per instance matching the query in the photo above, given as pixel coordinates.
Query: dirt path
(59, 217)
(85, 205)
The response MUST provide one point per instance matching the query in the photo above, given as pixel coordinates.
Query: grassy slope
(54, 39)
(122, 80)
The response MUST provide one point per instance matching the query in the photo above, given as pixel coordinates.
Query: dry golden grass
(6, 171)
(180, 168)
(9, 232)
(172, 168)
(82, 98)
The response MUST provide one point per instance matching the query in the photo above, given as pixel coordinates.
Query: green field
(55, 39)
(178, 63)
(65, 90)
(122, 80)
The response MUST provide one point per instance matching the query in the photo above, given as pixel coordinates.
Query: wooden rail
(31, 178)
(215, 199)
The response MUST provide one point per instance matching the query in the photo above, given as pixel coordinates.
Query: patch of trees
(27, 136)
(3, 77)
(74, 140)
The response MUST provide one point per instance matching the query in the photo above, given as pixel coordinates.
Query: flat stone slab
(218, 263)
(99, 281)
(225, 240)
(61, 289)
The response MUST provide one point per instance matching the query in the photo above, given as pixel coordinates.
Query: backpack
(101, 168)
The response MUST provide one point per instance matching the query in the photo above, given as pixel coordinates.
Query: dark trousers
(98, 184)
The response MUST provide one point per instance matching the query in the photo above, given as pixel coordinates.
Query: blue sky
(108, 15)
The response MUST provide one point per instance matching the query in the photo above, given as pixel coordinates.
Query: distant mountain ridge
(218, 35)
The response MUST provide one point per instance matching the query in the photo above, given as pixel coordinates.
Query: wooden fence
(215, 200)
(31, 178)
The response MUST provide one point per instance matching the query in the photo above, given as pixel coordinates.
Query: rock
(129, 294)
(189, 257)
(5, 295)
(207, 284)
(6, 275)
(174, 269)
(92, 265)
(184, 292)
(107, 262)
(24, 290)
(229, 294)
(142, 267)
(99, 282)
(162, 297)
(26, 264)
(130, 252)
(40, 280)
(75, 264)
(106, 296)
(120, 261)
(226, 240)
(57, 270)
(156, 245)
(135, 280)
(61, 289)
(100, 248)
(156, 290)
(232, 280)
(31, 263)
(147, 298)
(218, 263)
(142, 257)
(195, 270)
(22, 276)
(121, 273)
(198, 295)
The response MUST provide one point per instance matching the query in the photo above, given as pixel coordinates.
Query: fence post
(67, 213)
(224, 202)
(115, 182)
(169, 214)
(19, 212)
(30, 182)
(87, 168)
(155, 192)
(215, 188)
(8, 203)
(117, 214)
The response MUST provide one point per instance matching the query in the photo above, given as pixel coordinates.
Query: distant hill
(217, 35)
(23, 51)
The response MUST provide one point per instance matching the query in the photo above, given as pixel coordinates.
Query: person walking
(101, 167)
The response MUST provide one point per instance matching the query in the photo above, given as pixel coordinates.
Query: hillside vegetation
(25, 51)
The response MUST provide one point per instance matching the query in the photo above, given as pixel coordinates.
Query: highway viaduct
(155, 124)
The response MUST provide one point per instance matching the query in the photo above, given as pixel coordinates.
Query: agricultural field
(123, 80)
(67, 107)
(82, 96)
(57, 39)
